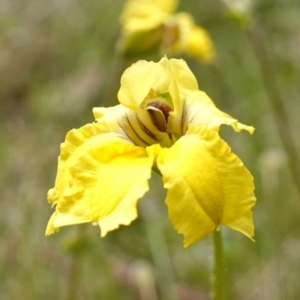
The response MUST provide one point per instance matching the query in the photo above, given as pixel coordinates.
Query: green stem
(276, 101)
(218, 266)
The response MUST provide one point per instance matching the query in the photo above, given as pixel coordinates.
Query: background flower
(147, 25)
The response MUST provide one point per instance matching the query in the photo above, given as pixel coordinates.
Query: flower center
(159, 114)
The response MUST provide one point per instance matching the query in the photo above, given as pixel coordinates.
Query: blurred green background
(57, 61)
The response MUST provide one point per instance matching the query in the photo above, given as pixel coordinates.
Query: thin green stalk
(276, 101)
(218, 287)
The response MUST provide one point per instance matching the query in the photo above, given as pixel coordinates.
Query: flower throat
(159, 114)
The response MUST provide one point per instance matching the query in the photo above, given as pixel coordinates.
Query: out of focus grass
(57, 61)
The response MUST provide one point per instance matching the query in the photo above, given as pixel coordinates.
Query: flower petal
(194, 40)
(76, 144)
(200, 110)
(182, 81)
(145, 15)
(50, 226)
(207, 185)
(137, 82)
(106, 183)
(183, 75)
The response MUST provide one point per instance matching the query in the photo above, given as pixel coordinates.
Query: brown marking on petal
(145, 129)
(159, 113)
(133, 130)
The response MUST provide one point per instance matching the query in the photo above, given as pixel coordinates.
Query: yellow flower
(163, 122)
(149, 24)
(192, 39)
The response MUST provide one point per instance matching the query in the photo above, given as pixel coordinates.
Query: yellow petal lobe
(50, 229)
(138, 80)
(207, 186)
(77, 142)
(106, 185)
(200, 110)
